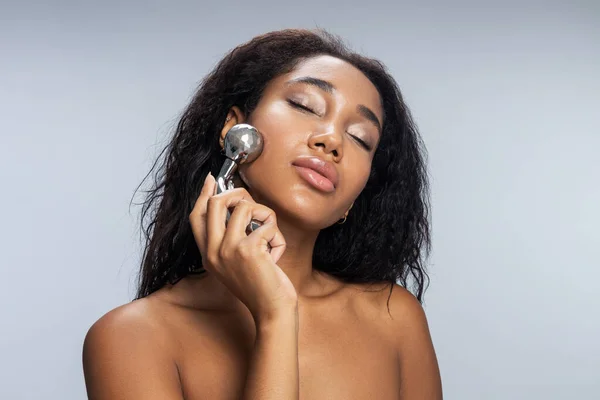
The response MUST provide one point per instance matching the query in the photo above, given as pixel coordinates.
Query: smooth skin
(263, 325)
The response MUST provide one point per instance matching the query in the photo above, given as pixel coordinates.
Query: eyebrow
(309, 80)
(329, 88)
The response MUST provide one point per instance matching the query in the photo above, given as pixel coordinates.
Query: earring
(341, 221)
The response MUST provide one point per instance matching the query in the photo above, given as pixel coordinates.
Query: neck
(207, 292)
(296, 261)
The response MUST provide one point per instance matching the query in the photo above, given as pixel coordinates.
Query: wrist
(281, 316)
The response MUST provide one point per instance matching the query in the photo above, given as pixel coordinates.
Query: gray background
(506, 96)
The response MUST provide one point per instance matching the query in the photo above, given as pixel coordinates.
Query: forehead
(348, 80)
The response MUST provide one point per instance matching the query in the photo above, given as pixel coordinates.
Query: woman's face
(325, 108)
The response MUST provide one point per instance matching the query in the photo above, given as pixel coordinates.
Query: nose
(330, 141)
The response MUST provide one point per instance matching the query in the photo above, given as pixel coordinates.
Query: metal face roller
(243, 144)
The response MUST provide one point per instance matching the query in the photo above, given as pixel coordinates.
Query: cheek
(267, 118)
(282, 133)
(360, 172)
(277, 121)
(280, 148)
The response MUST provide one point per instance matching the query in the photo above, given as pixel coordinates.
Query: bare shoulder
(135, 321)
(389, 304)
(405, 311)
(127, 352)
(401, 319)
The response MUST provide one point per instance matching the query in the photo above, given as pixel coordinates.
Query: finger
(269, 235)
(236, 226)
(243, 213)
(198, 215)
(216, 216)
(206, 192)
(199, 210)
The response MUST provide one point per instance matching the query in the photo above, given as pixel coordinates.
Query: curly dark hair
(387, 235)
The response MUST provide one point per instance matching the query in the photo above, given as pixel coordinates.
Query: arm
(419, 371)
(125, 357)
(273, 370)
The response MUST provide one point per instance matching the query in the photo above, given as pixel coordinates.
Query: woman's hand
(243, 263)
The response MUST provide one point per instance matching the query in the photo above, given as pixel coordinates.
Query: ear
(234, 116)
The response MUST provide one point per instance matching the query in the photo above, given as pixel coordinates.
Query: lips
(320, 166)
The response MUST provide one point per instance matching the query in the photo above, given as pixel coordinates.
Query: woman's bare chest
(339, 358)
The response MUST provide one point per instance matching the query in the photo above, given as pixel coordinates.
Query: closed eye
(301, 106)
(362, 142)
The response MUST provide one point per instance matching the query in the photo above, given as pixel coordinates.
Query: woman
(299, 307)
